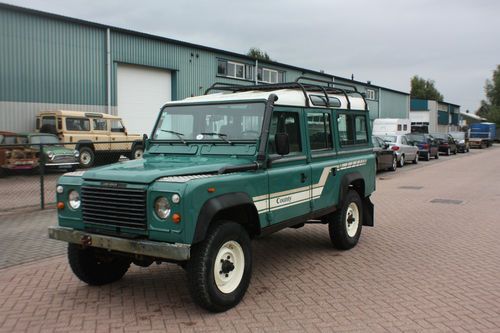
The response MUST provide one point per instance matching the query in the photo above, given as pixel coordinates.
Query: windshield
(458, 135)
(217, 122)
(416, 137)
(48, 139)
(439, 136)
(389, 138)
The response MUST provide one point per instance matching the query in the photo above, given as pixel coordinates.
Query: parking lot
(430, 264)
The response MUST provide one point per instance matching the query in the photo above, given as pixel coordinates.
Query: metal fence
(29, 172)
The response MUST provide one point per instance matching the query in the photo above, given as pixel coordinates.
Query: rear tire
(437, 155)
(96, 267)
(427, 156)
(394, 164)
(401, 161)
(344, 226)
(137, 152)
(220, 267)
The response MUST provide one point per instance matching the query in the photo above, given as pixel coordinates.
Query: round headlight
(50, 155)
(76, 153)
(176, 198)
(74, 199)
(162, 208)
(59, 189)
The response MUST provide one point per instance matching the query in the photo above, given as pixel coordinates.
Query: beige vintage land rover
(97, 136)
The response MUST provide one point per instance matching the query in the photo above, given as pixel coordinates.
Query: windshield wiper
(220, 135)
(179, 135)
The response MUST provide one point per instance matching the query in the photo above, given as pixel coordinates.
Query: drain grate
(411, 187)
(447, 201)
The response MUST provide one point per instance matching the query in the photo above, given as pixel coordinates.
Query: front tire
(96, 267)
(345, 225)
(220, 267)
(87, 157)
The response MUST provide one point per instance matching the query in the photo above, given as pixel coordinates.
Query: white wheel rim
(394, 163)
(138, 153)
(229, 267)
(402, 160)
(85, 158)
(352, 219)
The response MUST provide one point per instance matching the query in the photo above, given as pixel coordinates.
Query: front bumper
(178, 252)
(50, 164)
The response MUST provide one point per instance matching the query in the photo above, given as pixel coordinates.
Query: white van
(394, 126)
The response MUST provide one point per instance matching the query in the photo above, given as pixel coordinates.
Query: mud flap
(368, 212)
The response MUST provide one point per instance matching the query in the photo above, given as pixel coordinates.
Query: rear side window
(319, 129)
(285, 122)
(100, 124)
(77, 124)
(352, 129)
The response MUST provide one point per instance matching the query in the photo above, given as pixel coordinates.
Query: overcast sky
(455, 43)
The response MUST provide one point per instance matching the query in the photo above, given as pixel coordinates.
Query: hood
(149, 169)
(58, 150)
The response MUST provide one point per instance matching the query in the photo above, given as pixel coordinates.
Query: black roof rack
(304, 87)
(330, 86)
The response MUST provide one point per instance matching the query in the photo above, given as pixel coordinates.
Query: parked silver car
(404, 151)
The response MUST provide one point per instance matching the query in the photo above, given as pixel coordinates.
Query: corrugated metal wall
(50, 62)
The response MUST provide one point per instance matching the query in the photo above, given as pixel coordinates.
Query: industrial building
(50, 61)
(428, 116)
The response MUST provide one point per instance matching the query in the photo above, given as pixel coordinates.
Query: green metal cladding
(50, 61)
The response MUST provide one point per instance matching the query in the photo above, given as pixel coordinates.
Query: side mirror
(282, 144)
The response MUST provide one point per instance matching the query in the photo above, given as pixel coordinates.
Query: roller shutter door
(141, 92)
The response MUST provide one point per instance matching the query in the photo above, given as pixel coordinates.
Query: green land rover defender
(218, 170)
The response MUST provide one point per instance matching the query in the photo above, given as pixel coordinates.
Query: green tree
(257, 53)
(424, 89)
(490, 108)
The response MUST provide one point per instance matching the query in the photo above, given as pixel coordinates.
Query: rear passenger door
(289, 175)
(322, 158)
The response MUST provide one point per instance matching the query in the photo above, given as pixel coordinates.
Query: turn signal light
(211, 189)
(60, 205)
(176, 218)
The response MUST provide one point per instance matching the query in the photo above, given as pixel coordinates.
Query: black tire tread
(338, 233)
(200, 265)
(85, 267)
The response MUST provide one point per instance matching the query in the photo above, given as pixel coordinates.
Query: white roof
(294, 97)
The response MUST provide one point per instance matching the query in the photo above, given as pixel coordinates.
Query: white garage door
(141, 92)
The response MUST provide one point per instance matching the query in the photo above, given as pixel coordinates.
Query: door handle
(303, 177)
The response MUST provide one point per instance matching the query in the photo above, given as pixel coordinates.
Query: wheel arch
(84, 143)
(236, 206)
(356, 182)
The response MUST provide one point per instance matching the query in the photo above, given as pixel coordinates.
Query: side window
(116, 126)
(361, 132)
(77, 124)
(100, 124)
(285, 122)
(319, 129)
(345, 129)
(403, 140)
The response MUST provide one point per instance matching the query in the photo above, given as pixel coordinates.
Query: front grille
(63, 159)
(114, 207)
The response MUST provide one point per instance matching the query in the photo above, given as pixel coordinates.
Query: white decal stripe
(301, 194)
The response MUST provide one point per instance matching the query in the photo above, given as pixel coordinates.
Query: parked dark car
(427, 145)
(462, 139)
(447, 144)
(386, 158)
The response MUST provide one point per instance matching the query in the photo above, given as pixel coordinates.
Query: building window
(370, 94)
(269, 75)
(247, 72)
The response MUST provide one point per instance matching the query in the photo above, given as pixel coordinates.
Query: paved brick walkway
(424, 267)
(23, 238)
